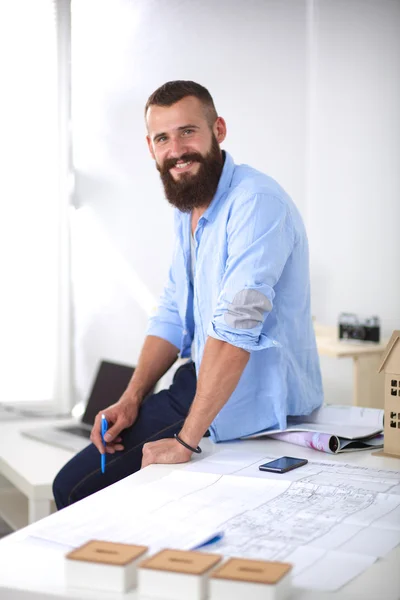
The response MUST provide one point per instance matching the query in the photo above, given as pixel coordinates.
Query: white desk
(30, 467)
(30, 571)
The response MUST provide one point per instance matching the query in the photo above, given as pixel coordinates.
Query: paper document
(326, 442)
(356, 416)
(323, 514)
(333, 429)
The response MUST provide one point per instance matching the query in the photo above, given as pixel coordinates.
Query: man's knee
(67, 481)
(61, 490)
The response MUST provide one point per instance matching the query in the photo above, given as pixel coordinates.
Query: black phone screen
(283, 464)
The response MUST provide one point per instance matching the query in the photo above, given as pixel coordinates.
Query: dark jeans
(161, 416)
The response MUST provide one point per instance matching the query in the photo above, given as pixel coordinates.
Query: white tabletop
(31, 570)
(28, 464)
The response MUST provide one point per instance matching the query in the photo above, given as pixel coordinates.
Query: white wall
(304, 87)
(353, 200)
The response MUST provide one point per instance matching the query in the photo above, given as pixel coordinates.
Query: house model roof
(391, 344)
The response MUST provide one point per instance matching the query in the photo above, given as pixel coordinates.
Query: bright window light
(29, 217)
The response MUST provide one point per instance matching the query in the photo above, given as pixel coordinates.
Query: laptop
(110, 383)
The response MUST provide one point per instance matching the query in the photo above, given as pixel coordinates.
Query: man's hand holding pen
(119, 416)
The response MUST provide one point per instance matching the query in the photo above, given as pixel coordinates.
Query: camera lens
(358, 333)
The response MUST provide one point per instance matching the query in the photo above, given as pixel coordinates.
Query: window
(33, 209)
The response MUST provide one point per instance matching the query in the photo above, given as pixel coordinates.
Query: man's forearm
(221, 368)
(156, 357)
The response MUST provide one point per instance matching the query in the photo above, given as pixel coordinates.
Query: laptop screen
(111, 381)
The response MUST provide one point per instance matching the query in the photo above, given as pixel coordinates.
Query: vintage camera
(351, 328)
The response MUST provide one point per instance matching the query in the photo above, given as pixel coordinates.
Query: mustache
(169, 163)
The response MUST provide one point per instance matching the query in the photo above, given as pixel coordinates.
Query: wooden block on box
(239, 578)
(176, 574)
(104, 566)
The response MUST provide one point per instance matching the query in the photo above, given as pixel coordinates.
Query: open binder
(333, 429)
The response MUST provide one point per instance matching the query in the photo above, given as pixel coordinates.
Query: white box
(239, 578)
(103, 566)
(176, 575)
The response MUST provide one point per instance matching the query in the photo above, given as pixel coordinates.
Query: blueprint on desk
(330, 520)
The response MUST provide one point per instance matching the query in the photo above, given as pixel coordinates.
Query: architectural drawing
(324, 513)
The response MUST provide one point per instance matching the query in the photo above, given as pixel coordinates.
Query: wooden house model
(391, 366)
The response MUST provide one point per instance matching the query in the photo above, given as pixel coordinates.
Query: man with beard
(237, 303)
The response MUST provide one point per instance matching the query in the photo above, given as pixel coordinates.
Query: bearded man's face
(186, 151)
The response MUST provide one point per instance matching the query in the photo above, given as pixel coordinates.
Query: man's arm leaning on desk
(260, 238)
(220, 371)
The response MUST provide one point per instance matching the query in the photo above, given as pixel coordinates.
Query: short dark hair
(173, 91)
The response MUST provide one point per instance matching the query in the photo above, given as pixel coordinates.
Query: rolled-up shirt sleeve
(166, 323)
(260, 239)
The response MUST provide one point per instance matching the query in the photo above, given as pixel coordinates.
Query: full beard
(193, 191)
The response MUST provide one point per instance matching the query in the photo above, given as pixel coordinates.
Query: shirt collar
(223, 185)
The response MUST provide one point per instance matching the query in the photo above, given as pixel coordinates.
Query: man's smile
(181, 167)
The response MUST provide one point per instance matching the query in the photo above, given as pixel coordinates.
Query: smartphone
(283, 464)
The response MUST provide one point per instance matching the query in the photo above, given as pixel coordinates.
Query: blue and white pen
(104, 427)
(213, 539)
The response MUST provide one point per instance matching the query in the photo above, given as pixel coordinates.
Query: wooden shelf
(341, 348)
(329, 344)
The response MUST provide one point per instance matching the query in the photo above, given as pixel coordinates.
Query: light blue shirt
(252, 290)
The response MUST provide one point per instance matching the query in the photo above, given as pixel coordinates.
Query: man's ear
(150, 147)
(219, 129)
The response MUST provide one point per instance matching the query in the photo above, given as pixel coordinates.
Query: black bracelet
(196, 450)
